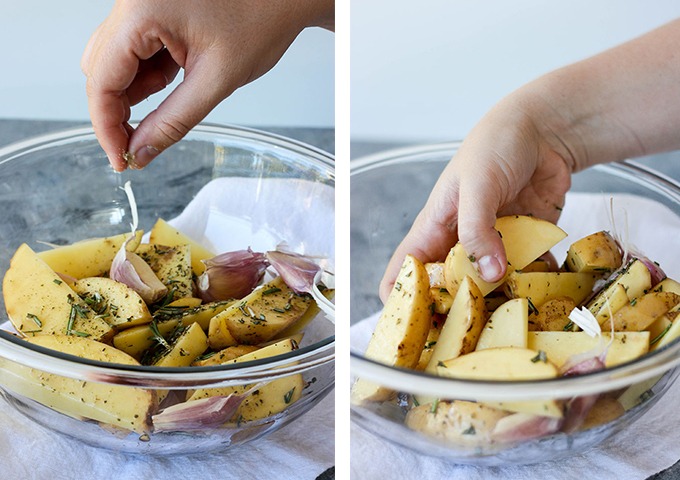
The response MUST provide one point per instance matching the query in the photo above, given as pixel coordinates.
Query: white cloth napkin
(303, 449)
(649, 446)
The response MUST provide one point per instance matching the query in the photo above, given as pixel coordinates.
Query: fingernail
(489, 268)
(144, 156)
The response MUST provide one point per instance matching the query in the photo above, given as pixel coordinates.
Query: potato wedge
(442, 300)
(115, 302)
(38, 302)
(463, 325)
(172, 266)
(271, 398)
(596, 253)
(667, 285)
(163, 233)
(402, 329)
(634, 278)
(553, 316)
(224, 355)
(643, 311)
(560, 346)
(88, 258)
(457, 422)
(539, 287)
(671, 330)
(190, 344)
(507, 326)
(506, 363)
(264, 313)
(437, 323)
(124, 407)
(524, 238)
(615, 300)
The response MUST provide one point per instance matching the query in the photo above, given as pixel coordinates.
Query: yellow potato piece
(172, 266)
(88, 258)
(596, 253)
(163, 233)
(507, 326)
(188, 347)
(124, 407)
(117, 303)
(539, 287)
(400, 334)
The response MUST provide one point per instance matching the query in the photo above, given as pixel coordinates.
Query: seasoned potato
(263, 314)
(539, 287)
(115, 302)
(643, 311)
(124, 407)
(38, 302)
(553, 316)
(506, 363)
(399, 336)
(163, 233)
(507, 326)
(224, 355)
(459, 422)
(191, 343)
(634, 278)
(463, 325)
(596, 253)
(172, 266)
(430, 342)
(88, 258)
(442, 300)
(524, 238)
(670, 331)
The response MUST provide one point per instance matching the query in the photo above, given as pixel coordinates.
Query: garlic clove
(519, 427)
(130, 269)
(211, 412)
(231, 275)
(297, 271)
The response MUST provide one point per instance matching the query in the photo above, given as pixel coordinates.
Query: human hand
(221, 44)
(508, 164)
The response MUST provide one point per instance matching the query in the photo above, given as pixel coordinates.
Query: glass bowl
(642, 201)
(59, 189)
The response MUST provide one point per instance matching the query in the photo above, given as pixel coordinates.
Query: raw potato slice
(462, 327)
(553, 316)
(559, 346)
(442, 300)
(506, 363)
(643, 311)
(163, 233)
(269, 399)
(430, 342)
(458, 422)
(507, 326)
(524, 238)
(616, 299)
(311, 313)
(117, 303)
(39, 302)
(667, 285)
(264, 313)
(89, 258)
(596, 253)
(172, 266)
(670, 332)
(125, 407)
(539, 287)
(188, 347)
(634, 278)
(399, 336)
(224, 355)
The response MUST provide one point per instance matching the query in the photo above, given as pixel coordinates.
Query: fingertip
(491, 268)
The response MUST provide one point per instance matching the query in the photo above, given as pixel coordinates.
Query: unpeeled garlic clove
(297, 271)
(211, 412)
(519, 427)
(130, 269)
(231, 275)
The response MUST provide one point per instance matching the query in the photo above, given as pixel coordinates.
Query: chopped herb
(541, 357)
(430, 344)
(443, 290)
(278, 310)
(157, 335)
(659, 336)
(435, 406)
(416, 403)
(269, 291)
(432, 308)
(532, 307)
(239, 420)
(289, 395)
(633, 302)
(472, 258)
(206, 356)
(441, 364)
(71, 320)
(469, 431)
(568, 326)
(80, 334)
(35, 319)
(397, 287)
(57, 281)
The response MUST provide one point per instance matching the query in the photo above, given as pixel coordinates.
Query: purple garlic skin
(297, 271)
(231, 275)
(130, 269)
(520, 427)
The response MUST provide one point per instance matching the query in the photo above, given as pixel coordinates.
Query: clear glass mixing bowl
(396, 185)
(59, 189)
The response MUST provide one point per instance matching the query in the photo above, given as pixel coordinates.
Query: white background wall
(428, 70)
(40, 78)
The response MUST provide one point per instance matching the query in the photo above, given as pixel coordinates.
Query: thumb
(478, 204)
(202, 89)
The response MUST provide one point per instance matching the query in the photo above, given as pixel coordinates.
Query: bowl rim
(650, 365)
(14, 349)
